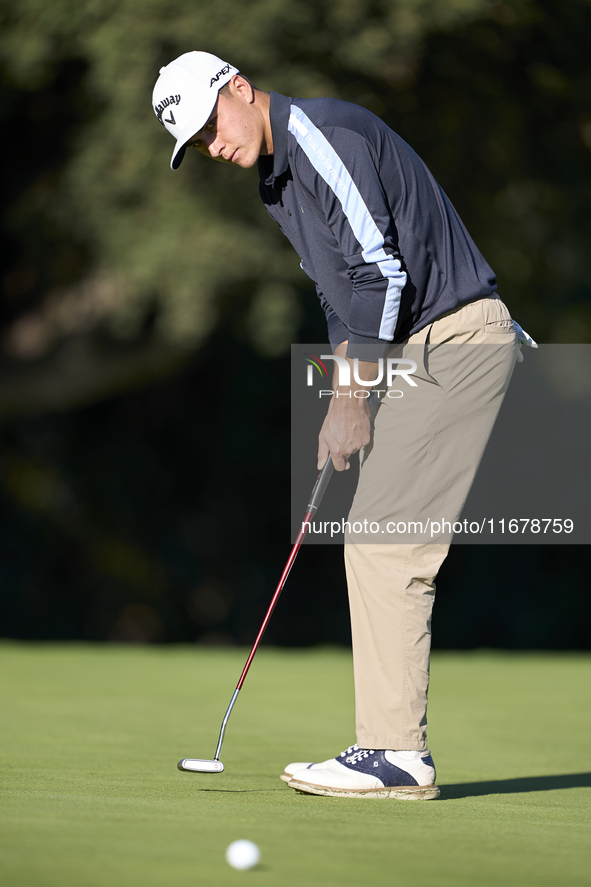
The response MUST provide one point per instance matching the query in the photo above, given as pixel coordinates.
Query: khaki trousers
(420, 465)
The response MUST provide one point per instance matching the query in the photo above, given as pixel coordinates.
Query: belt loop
(422, 337)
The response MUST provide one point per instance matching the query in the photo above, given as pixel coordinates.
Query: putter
(200, 765)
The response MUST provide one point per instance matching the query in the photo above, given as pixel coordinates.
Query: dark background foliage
(146, 316)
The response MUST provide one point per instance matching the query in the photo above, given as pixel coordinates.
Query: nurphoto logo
(315, 363)
(387, 370)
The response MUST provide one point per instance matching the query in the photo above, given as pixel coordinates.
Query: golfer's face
(234, 132)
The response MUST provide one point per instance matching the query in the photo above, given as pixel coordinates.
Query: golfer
(400, 280)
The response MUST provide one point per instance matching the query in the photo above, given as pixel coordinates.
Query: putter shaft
(215, 766)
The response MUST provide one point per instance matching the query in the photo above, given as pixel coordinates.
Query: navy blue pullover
(375, 232)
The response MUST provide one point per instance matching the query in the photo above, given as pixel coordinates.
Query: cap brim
(177, 157)
(197, 123)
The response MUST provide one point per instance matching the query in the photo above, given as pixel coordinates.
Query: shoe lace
(349, 751)
(357, 754)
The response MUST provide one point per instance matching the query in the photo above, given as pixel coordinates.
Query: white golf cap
(185, 95)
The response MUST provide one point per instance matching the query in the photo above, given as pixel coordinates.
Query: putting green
(92, 796)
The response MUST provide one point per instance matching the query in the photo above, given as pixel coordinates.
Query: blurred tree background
(146, 315)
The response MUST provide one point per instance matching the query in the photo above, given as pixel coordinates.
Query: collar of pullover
(271, 167)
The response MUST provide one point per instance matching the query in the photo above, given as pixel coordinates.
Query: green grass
(91, 795)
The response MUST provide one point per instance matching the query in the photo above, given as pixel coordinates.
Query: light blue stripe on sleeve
(327, 162)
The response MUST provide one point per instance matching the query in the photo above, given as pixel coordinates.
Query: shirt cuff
(364, 348)
(337, 331)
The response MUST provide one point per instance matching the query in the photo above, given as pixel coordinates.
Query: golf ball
(243, 854)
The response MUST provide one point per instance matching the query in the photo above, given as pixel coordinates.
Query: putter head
(196, 765)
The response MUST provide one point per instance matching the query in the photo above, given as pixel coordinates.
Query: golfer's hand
(345, 430)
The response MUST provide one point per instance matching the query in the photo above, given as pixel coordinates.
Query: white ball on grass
(243, 854)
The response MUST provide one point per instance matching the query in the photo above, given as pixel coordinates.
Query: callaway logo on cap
(185, 94)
